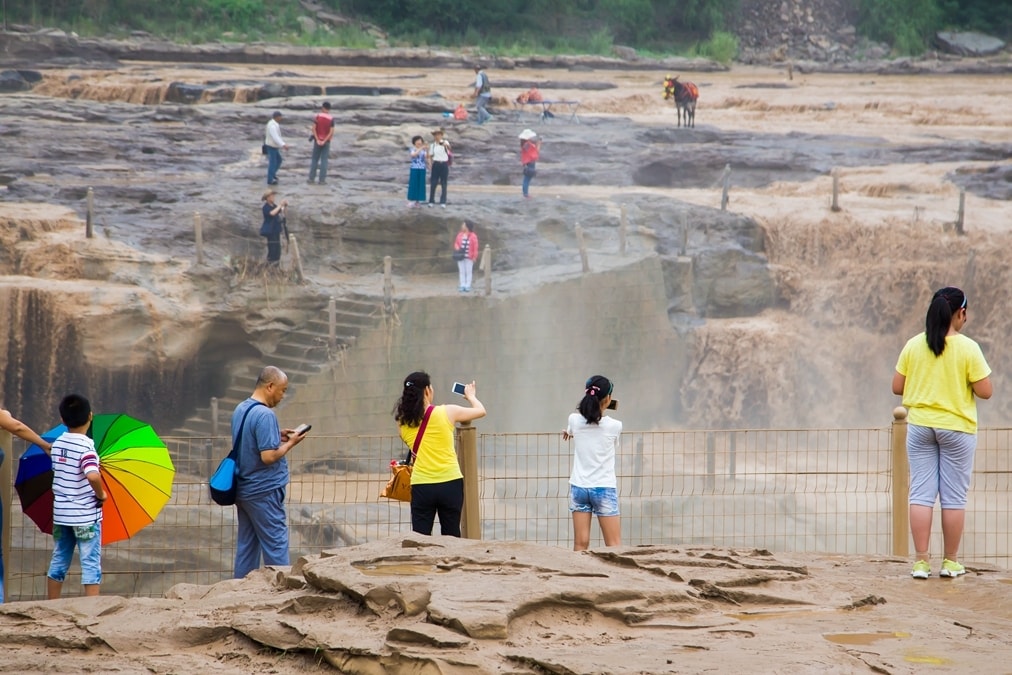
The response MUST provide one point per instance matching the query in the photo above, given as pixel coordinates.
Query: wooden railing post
(388, 284)
(726, 180)
(467, 455)
(6, 449)
(486, 267)
(900, 484)
(622, 229)
(214, 417)
(961, 212)
(299, 275)
(89, 223)
(836, 191)
(332, 323)
(583, 249)
(198, 237)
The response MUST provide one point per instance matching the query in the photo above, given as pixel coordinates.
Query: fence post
(388, 284)
(726, 180)
(486, 267)
(711, 459)
(960, 213)
(467, 455)
(685, 232)
(6, 448)
(299, 276)
(332, 323)
(901, 484)
(732, 456)
(89, 223)
(214, 417)
(622, 228)
(198, 237)
(836, 191)
(583, 249)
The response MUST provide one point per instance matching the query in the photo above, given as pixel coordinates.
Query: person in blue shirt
(263, 475)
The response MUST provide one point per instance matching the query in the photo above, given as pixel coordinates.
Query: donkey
(685, 95)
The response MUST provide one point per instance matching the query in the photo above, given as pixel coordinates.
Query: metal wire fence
(825, 491)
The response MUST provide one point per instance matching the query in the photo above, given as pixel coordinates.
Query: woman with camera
(593, 486)
(437, 484)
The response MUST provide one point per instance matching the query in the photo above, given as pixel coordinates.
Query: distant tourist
(530, 152)
(940, 374)
(437, 484)
(22, 431)
(416, 176)
(274, 224)
(465, 252)
(482, 93)
(263, 475)
(593, 485)
(78, 499)
(460, 112)
(440, 155)
(323, 131)
(273, 145)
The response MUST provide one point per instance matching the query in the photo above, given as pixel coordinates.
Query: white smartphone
(302, 428)
(458, 388)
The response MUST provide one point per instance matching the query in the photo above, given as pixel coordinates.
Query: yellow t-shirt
(937, 391)
(436, 461)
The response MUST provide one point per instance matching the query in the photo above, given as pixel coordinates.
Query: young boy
(78, 496)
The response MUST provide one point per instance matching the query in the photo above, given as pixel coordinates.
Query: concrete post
(467, 455)
(198, 237)
(583, 249)
(89, 223)
(901, 484)
(7, 449)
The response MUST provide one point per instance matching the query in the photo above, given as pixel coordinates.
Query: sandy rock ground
(442, 605)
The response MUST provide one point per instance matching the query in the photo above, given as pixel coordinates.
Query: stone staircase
(301, 353)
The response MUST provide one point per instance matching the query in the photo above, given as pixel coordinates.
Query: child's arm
(95, 478)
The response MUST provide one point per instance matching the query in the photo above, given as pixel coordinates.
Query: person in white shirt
(78, 499)
(593, 485)
(439, 166)
(273, 145)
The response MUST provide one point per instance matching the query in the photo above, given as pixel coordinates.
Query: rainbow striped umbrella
(136, 470)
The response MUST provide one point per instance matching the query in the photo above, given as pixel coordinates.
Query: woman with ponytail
(593, 487)
(940, 374)
(437, 484)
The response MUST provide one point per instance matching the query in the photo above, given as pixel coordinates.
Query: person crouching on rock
(593, 486)
(274, 217)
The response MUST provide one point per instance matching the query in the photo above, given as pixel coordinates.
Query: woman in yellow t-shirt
(437, 485)
(940, 374)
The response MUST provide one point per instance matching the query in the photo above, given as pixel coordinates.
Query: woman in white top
(593, 487)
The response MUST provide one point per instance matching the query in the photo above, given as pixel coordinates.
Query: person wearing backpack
(482, 93)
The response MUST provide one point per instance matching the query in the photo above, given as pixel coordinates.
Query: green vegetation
(908, 25)
(508, 27)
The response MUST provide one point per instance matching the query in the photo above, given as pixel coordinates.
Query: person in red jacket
(465, 252)
(530, 151)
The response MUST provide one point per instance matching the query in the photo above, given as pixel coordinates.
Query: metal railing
(804, 490)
